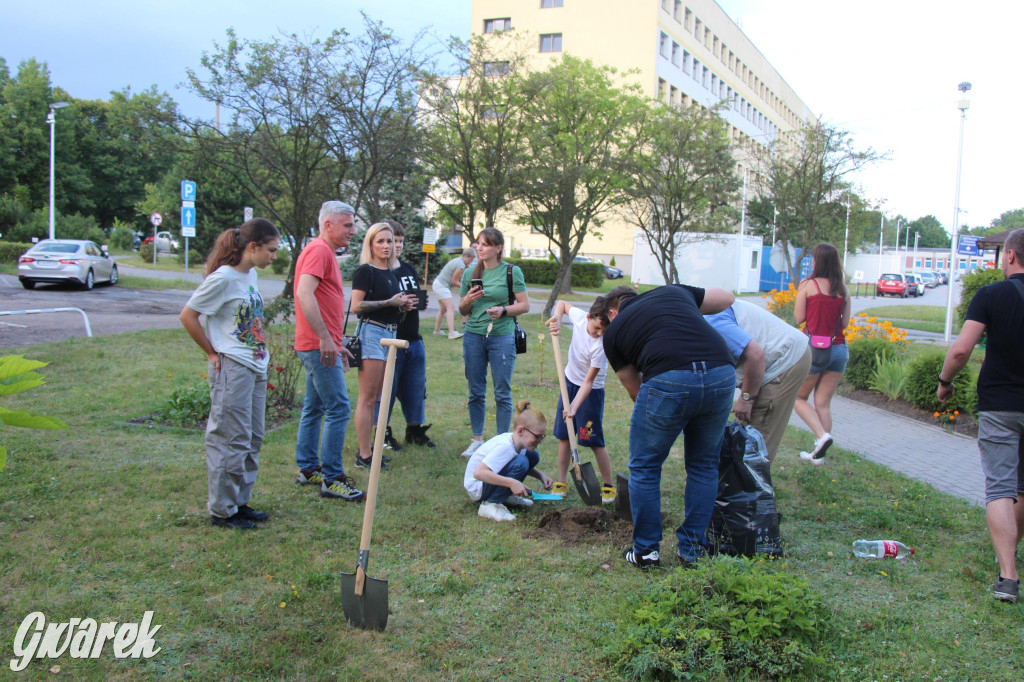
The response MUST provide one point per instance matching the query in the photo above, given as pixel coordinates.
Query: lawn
(107, 521)
(925, 318)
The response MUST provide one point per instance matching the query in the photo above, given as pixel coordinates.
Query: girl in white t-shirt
(585, 372)
(236, 349)
(496, 470)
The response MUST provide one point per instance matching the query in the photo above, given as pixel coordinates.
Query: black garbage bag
(745, 521)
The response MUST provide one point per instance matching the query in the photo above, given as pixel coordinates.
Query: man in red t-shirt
(319, 314)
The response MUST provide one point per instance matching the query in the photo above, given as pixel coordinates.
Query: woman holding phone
(489, 331)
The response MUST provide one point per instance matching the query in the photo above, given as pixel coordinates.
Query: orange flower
(936, 415)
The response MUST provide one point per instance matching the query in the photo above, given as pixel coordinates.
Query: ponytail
(231, 243)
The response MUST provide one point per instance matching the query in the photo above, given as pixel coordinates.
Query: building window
(696, 70)
(497, 25)
(698, 31)
(662, 47)
(544, 4)
(677, 13)
(551, 42)
(673, 95)
(753, 260)
(495, 68)
(688, 19)
(686, 62)
(661, 89)
(675, 53)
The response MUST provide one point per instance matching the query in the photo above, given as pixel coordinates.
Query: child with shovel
(496, 470)
(584, 374)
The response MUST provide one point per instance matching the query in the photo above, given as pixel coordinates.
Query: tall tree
(805, 172)
(474, 143)
(933, 235)
(585, 128)
(684, 186)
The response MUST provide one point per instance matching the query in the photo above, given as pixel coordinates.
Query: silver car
(66, 260)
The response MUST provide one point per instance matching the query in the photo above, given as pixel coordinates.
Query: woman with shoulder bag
(378, 300)
(823, 302)
(489, 338)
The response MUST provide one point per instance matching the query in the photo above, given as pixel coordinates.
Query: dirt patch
(576, 525)
(964, 423)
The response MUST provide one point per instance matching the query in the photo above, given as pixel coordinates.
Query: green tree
(683, 184)
(933, 235)
(585, 128)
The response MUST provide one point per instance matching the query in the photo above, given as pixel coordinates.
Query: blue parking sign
(188, 190)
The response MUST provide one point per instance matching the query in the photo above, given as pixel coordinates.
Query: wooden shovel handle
(570, 427)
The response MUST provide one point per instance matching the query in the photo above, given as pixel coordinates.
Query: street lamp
(51, 118)
(963, 104)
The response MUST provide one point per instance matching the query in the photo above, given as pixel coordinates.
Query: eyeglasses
(538, 436)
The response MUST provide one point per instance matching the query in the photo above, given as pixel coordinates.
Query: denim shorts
(1001, 444)
(370, 335)
(840, 355)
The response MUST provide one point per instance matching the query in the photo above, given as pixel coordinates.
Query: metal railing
(85, 318)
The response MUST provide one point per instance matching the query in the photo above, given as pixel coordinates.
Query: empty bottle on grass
(881, 549)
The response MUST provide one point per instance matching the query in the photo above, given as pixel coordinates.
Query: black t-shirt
(663, 330)
(409, 326)
(379, 285)
(1000, 308)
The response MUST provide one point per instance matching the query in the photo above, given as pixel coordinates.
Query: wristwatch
(746, 396)
(504, 311)
(943, 382)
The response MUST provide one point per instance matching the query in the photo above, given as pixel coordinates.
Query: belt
(375, 323)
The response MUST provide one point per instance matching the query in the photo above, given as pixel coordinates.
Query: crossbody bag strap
(511, 296)
(1016, 282)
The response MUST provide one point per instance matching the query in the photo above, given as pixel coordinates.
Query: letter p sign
(188, 190)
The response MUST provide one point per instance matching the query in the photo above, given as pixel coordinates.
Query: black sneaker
(1006, 589)
(368, 463)
(237, 522)
(389, 441)
(247, 512)
(416, 434)
(644, 562)
(344, 488)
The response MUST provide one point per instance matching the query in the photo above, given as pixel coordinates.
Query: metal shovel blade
(622, 507)
(369, 610)
(585, 480)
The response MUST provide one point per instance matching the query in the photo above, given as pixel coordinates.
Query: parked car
(164, 242)
(609, 271)
(66, 260)
(942, 277)
(891, 285)
(930, 280)
(915, 285)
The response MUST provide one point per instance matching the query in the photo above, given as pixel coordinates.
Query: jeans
(516, 468)
(697, 403)
(500, 353)
(410, 384)
(326, 401)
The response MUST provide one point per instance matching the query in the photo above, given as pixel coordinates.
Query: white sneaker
(821, 446)
(441, 333)
(495, 512)
(474, 445)
(516, 501)
(455, 335)
(809, 456)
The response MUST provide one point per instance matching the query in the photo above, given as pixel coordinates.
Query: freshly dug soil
(964, 424)
(576, 525)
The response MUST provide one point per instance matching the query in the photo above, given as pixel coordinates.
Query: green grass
(926, 318)
(108, 521)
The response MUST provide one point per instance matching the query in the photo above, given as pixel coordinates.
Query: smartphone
(476, 283)
(421, 295)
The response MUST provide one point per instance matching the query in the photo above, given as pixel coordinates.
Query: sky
(884, 70)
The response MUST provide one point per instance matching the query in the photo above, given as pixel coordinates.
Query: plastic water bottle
(881, 549)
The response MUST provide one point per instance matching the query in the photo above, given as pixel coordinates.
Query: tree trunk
(562, 285)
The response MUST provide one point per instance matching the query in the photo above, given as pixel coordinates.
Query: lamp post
(846, 237)
(51, 118)
(963, 104)
(899, 268)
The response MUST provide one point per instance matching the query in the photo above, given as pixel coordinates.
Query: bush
(188, 406)
(611, 263)
(545, 272)
(782, 304)
(972, 283)
(864, 356)
(122, 237)
(890, 377)
(77, 226)
(283, 260)
(11, 251)
(923, 381)
(194, 257)
(146, 252)
(738, 619)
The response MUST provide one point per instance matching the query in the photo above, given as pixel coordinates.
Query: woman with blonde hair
(378, 300)
(496, 471)
(823, 302)
(450, 278)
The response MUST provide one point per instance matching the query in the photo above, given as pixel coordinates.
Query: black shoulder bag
(518, 333)
(352, 343)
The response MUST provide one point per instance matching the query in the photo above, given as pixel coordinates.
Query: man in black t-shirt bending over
(680, 375)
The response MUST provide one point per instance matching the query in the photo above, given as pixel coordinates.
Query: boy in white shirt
(585, 373)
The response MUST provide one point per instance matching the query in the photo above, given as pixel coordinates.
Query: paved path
(947, 461)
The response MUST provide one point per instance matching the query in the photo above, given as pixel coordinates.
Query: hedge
(864, 354)
(11, 251)
(545, 271)
(923, 382)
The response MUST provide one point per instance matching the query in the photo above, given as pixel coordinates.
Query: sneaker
(389, 441)
(608, 494)
(344, 488)
(1006, 589)
(454, 335)
(809, 456)
(237, 522)
(649, 560)
(315, 476)
(821, 446)
(441, 333)
(247, 512)
(516, 501)
(368, 463)
(495, 511)
(474, 445)
(560, 489)
(416, 434)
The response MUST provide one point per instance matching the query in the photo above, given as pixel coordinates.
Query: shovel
(583, 476)
(365, 599)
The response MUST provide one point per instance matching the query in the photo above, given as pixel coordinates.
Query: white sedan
(66, 260)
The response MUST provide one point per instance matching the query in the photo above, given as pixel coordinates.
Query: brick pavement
(947, 461)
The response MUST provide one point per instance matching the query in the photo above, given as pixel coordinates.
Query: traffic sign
(188, 190)
(430, 235)
(156, 219)
(968, 245)
(188, 216)
(187, 232)
(247, 214)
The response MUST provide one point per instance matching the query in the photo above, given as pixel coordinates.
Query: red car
(893, 285)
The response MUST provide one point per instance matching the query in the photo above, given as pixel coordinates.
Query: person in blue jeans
(680, 375)
(489, 332)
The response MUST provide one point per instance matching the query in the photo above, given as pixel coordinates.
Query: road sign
(188, 216)
(156, 219)
(429, 235)
(247, 213)
(188, 232)
(188, 190)
(968, 245)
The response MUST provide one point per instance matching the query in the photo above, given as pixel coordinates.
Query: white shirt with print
(495, 454)
(233, 307)
(584, 352)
